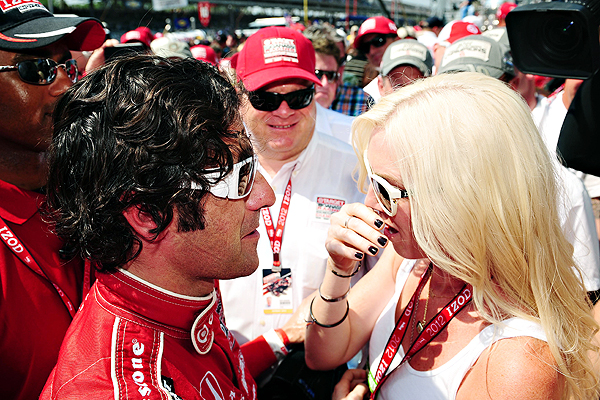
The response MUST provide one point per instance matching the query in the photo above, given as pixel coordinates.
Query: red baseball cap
(504, 9)
(380, 25)
(140, 34)
(275, 53)
(456, 30)
(204, 53)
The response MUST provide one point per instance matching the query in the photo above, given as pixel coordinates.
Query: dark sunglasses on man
(330, 75)
(42, 71)
(377, 41)
(267, 101)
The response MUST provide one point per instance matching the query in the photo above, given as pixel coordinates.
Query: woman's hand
(351, 386)
(354, 232)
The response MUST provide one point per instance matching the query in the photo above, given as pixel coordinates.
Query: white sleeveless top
(443, 382)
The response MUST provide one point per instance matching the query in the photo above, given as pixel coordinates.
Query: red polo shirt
(33, 317)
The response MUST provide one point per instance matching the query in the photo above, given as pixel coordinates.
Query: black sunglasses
(377, 41)
(267, 101)
(330, 75)
(42, 71)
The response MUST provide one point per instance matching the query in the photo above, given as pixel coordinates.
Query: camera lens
(562, 36)
(555, 38)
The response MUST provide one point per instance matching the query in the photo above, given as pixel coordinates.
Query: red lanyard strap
(276, 236)
(18, 248)
(433, 328)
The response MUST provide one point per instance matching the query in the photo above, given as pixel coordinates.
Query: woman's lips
(389, 231)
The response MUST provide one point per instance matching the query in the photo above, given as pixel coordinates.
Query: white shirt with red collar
(322, 182)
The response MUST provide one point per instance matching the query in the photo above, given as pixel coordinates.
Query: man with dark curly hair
(152, 178)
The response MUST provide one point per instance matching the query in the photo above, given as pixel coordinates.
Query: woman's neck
(443, 284)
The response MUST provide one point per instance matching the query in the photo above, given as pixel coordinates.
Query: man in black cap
(41, 287)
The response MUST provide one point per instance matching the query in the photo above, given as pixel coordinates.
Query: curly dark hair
(135, 133)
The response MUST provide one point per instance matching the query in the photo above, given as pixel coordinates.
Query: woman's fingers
(354, 231)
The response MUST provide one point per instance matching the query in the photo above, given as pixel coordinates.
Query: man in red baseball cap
(204, 53)
(451, 32)
(503, 11)
(374, 36)
(141, 34)
(310, 172)
(41, 285)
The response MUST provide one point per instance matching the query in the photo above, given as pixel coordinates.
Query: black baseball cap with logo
(27, 24)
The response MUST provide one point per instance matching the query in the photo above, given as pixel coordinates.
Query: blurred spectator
(169, 47)
(431, 28)
(354, 70)
(374, 36)
(474, 19)
(204, 53)
(503, 11)
(327, 68)
(352, 35)
(217, 49)
(141, 34)
(351, 98)
(407, 32)
(320, 30)
(466, 8)
(478, 54)
(451, 32)
(403, 62)
(231, 44)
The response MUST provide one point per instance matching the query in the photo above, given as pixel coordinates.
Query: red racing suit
(133, 340)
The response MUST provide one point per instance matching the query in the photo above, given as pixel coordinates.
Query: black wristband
(346, 276)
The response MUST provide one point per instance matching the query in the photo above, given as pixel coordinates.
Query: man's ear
(380, 85)
(141, 222)
(340, 71)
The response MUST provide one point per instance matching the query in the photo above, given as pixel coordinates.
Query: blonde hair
(484, 206)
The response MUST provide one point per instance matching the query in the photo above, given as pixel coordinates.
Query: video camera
(561, 39)
(556, 38)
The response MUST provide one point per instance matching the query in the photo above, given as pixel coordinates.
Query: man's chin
(250, 265)
(323, 100)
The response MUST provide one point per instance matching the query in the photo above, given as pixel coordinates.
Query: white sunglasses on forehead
(235, 185)
(386, 194)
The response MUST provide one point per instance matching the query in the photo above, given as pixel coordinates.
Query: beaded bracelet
(346, 276)
(314, 320)
(333, 299)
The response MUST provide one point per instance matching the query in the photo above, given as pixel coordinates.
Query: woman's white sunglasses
(385, 193)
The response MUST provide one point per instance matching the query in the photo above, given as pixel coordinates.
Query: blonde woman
(476, 297)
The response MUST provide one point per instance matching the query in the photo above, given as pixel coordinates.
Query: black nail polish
(378, 223)
(382, 240)
(359, 255)
(373, 250)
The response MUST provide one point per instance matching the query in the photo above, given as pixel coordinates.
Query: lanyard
(276, 236)
(14, 244)
(433, 328)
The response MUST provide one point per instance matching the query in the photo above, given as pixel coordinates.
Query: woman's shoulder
(515, 368)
